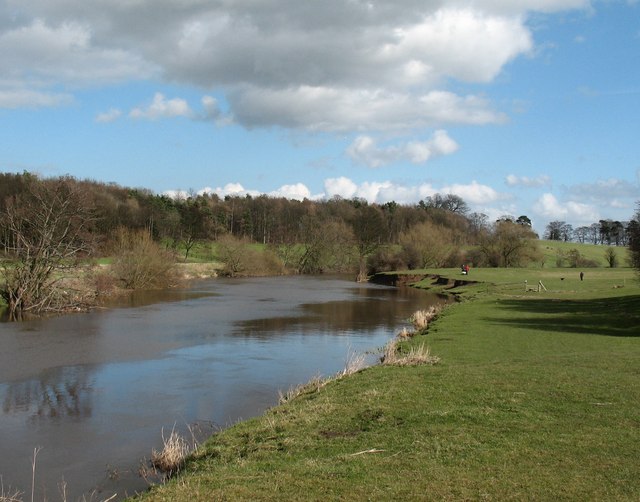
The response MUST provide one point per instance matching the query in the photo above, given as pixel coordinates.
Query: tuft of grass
(175, 451)
(421, 318)
(417, 355)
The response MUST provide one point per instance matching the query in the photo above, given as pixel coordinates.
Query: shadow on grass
(615, 316)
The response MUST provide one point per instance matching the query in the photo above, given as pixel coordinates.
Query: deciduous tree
(47, 224)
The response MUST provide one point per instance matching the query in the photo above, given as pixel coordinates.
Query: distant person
(581, 276)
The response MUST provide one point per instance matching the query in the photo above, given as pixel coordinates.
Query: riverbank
(535, 397)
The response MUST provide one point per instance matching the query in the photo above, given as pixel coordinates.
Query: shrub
(385, 260)
(141, 263)
(241, 258)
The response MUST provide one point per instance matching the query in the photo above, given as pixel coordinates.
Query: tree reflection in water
(58, 393)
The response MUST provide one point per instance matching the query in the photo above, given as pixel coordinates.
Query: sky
(521, 107)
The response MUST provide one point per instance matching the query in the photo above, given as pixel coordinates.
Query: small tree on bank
(509, 244)
(46, 228)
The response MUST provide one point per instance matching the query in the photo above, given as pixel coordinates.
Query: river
(91, 394)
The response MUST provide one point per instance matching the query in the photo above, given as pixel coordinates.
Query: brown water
(93, 392)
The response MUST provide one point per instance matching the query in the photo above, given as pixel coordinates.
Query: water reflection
(58, 394)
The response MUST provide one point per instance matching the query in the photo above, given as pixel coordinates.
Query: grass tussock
(417, 355)
(421, 318)
(171, 458)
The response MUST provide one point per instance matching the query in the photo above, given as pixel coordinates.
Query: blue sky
(519, 106)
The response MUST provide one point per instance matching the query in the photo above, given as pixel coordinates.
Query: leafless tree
(48, 228)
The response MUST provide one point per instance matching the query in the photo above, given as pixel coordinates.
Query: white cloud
(474, 192)
(298, 191)
(343, 66)
(549, 207)
(231, 189)
(462, 43)
(341, 110)
(513, 180)
(163, 108)
(109, 116)
(364, 150)
(481, 198)
(341, 187)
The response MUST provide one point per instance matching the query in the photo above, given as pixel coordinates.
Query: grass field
(535, 398)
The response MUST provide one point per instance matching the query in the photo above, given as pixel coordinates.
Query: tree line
(47, 225)
(605, 232)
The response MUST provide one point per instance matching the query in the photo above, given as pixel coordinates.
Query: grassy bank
(536, 397)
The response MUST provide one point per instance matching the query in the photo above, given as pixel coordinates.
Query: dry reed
(354, 363)
(421, 318)
(174, 453)
(416, 356)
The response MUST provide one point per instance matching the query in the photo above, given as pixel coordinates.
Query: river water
(91, 394)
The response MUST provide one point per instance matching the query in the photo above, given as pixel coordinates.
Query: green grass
(535, 398)
(592, 252)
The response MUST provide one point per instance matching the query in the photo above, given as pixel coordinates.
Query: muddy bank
(401, 279)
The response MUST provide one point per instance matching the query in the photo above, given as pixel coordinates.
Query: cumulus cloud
(540, 181)
(474, 192)
(109, 116)
(549, 207)
(162, 107)
(298, 191)
(364, 150)
(385, 191)
(480, 197)
(341, 109)
(338, 66)
(341, 187)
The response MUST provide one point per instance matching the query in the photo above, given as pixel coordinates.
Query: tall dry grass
(421, 318)
(175, 450)
(417, 355)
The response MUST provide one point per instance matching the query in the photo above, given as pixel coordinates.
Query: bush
(386, 260)
(141, 263)
(241, 258)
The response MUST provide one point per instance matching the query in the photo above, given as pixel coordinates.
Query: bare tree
(510, 244)
(432, 244)
(48, 224)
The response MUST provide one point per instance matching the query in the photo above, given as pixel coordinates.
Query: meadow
(534, 397)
